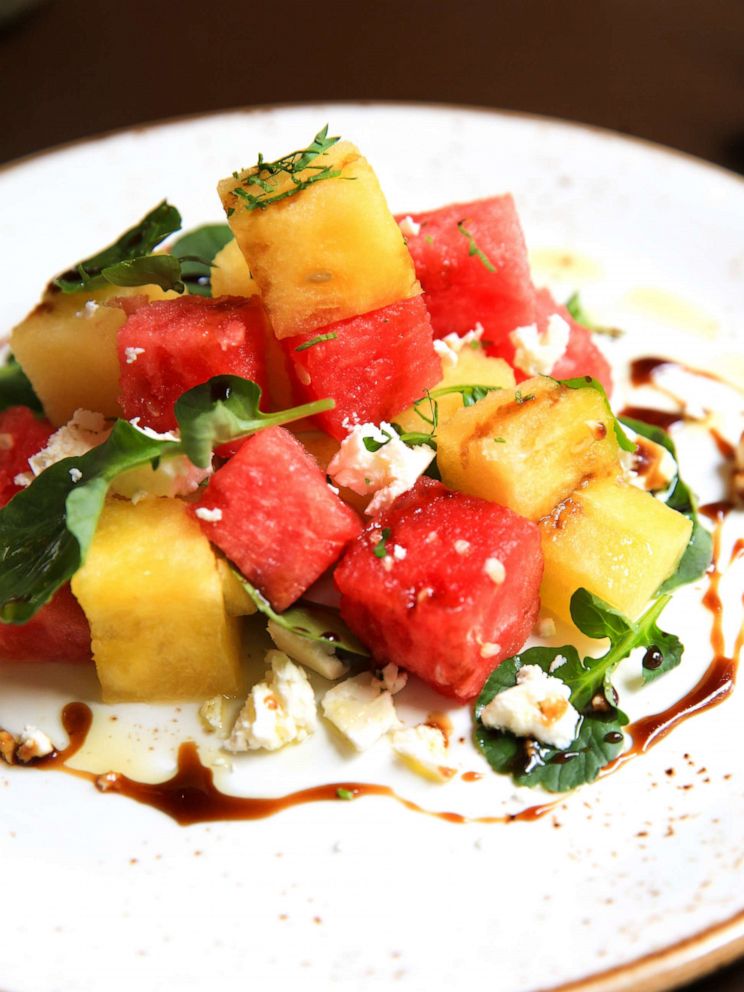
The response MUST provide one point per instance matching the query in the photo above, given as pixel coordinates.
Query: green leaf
(15, 388)
(225, 409)
(318, 339)
(46, 529)
(678, 496)
(196, 251)
(156, 270)
(309, 620)
(575, 307)
(380, 549)
(134, 243)
(599, 739)
(587, 382)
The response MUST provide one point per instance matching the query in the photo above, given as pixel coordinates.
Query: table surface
(669, 73)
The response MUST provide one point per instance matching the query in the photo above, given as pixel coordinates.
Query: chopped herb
(372, 445)
(345, 793)
(330, 336)
(576, 309)
(523, 399)
(599, 737)
(292, 165)
(428, 239)
(499, 440)
(473, 248)
(130, 258)
(380, 549)
(230, 210)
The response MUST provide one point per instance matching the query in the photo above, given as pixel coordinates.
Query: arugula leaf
(196, 251)
(575, 307)
(598, 739)
(226, 408)
(309, 620)
(46, 529)
(699, 551)
(157, 270)
(135, 243)
(15, 388)
(587, 382)
(291, 165)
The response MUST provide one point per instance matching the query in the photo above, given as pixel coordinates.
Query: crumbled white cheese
(75, 474)
(462, 547)
(88, 310)
(86, 430)
(558, 662)
(545, 627)
(494, 569)
(489, 649)
(33, 743)
(399, 552)
(132, 354)
(211, 516)
(408, 227)
(362, 707)
(388, 563)
(537, 706)
(449, 347)
(391, 470)
(278, 711)
(213, 715)
(537, 354)
(317, 655)
(424, 749)
(149, 432)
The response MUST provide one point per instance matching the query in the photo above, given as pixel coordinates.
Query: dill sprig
(291, 165)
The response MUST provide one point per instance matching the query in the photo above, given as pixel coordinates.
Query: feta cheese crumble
(449, 347)
(537, 354)
(213, 715)
(33, 743)
(132, 354)
(86, 430)
(75, 474)
(494, 569)
(362, 707)
(462, 547)
(424, 749)
(209, 515)
(387, 472)
(408, 227)
(537, 706)
(279, 710)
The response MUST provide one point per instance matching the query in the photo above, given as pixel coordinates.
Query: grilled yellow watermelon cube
(329, 250)
(153, 595)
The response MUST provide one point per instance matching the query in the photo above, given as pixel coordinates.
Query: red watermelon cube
(22, 434)
(373, 365)
(58, 632)
(270, 510)
(170, 346)
(471, 260)
(443, 584)
(581, 357)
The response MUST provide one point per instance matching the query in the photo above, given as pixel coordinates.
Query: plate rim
(496, 112)
(719, 944)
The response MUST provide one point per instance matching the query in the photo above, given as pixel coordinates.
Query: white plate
(634, 880)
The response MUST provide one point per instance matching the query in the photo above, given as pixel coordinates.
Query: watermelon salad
(371, 436)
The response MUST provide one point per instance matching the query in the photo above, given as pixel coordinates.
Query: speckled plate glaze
(632, 883)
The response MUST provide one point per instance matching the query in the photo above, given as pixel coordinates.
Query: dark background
(671, 71)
